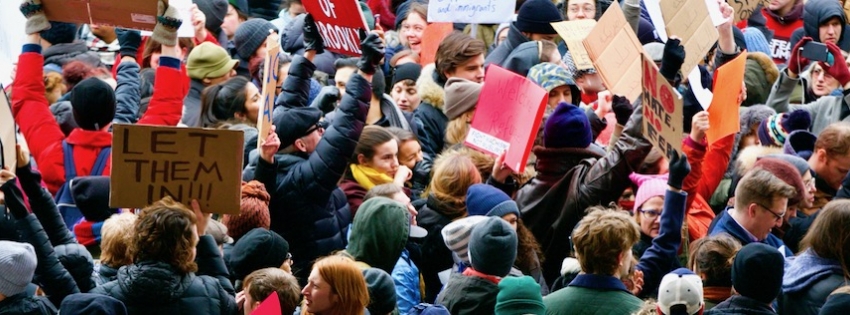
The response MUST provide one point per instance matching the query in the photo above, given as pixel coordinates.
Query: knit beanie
(483, 199)
(519, 295)
(787, 173)
(91, 304)
(567, 127)
(535, 17)
(800, 143)
(218, 232)
(461, 97)
(91, 195)
(60, 33)
(258, 249)
(93, 102)
(492, 247)
(382, 296)
(646, 32)
(799, 163)
(456, 235)
(17, 260)
(774, 130)
(253, 211)
(757, 272)
(240, 5)
(407, 71)
(648, 186)
(754, 115)
(250, 36)
(209, 60)
(756, 42)
(549, 76)
(215, 11)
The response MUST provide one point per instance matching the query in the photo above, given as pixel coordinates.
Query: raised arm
(166, 105)
(127, 94)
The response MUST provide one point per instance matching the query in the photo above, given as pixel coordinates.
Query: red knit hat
(253, 212)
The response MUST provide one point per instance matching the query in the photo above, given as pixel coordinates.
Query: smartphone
(815, 51)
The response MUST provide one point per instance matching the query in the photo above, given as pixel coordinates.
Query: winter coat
(469, 295)
(44, 207)
(568, 181)
(501, 53)
(105, 274)
(62, 54)
(741, 305)
(724, 223)
(429, 118)
(191, 116)
(307, 207)
(436, 257)
(523, 57)
(25, 304)
(660, 258)
(591, 294)
(825, 110)
(817, 12)
(44, 136)
(379, 236)
(707, 168)
(807, 282)
(406, 278)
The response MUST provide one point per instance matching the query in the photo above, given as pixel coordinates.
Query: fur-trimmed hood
(429, 90)
(748, 157)
(759, 76)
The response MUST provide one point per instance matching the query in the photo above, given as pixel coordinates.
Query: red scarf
(473, 273)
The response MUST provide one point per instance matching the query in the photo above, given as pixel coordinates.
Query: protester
(753, 261)
(258, 249)
(532, 23)
(374, 162)
(379, 233)
(260, 284)
(403, 86)
(253, 211)
(117, 239)
(207, 65)
(336, 286)
(410, 155)
(711, 258)
(519, 295)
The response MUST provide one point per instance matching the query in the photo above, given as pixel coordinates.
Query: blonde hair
(834, 139)
(346, 281)
(116, 239)
(53, 81)
(454, 173)
(457, 129)
(760, 186)
(601, 237)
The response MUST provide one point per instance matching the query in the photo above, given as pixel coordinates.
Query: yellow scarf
(369, 177)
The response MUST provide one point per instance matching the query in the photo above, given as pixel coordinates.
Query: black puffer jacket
(25, 304)
(105, 274)
(307, 207)
(436, 257)
(296, 87)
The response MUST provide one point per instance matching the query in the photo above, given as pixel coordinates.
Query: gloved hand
(129, 40)
(327, 98)
(372, 50)
(312, 39)
(673, 58)
(36, 19)
(167, 22)
(14, 199)
(679, 169)
(797, 63)
(622, 109)
(838, 69)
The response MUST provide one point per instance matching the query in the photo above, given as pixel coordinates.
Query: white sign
(12, 38)
(471, 11)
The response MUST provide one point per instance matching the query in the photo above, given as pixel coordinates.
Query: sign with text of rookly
(339, 23)
(9, 155)
(507, 116)
(662, 110)
(152, 162)
(136, 14)
(270, 78)
(471, 11)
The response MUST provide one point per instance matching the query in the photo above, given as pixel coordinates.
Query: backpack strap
(100, 163)
(70, 167)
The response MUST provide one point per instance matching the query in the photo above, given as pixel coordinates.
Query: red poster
(271, 306)
(507, 117)
(339, 22)
(431, 39)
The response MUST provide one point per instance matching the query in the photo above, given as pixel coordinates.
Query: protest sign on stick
(136, 14)
(574, 33)
(270, 78)
(339, 23)
(9, 157)
(662, 110)
(615, 51)
(690, 21)
(471, 11)
(507, 116)
(431, 38)
(723, 112)
(151, 162)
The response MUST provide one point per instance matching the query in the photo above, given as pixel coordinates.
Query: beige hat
(209, 60)
(461, 97)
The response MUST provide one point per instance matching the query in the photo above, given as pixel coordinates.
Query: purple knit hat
(648, 186)
(773, 131)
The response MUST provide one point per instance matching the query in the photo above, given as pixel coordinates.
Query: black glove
(622, 109)
(312, 39)
(327, 98)
(679, 169)
(672, 60)
(372, 50)
(14, 200)
(129, 40)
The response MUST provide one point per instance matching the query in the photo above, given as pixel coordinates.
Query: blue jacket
(726, 224)
(660, 258)
(127, 94)
(807, 282)
(406, 279)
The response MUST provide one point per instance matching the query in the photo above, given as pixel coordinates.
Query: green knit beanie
(519, 295)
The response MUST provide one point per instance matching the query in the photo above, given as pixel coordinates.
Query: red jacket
(707, 169)
(42, 133)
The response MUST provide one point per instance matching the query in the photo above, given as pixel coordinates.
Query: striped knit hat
(774, 130)
(456, 235)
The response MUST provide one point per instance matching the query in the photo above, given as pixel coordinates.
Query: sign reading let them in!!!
(339, 23)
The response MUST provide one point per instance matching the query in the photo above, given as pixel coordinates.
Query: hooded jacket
(824, 111)
(817, 12)
(379, 233)
(759, 75)
(429, 118)
(469, 295)
(63, 53)
(807, 282)
(501, 53)
(25, 304)
(783, 27)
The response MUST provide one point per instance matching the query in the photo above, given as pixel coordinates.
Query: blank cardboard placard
(9, 157)
(136, 14)
(574, 33)
(723, 112)
(744, 8)
(471, 11)
(270, 78)
(186, 30)
(152, 162)
(615, 51)
(339, 23)
(689, 20)
(662, 110)
(432, 36)
(507, 116)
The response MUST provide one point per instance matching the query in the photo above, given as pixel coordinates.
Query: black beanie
(94, 104)
(535, 17)
(60, 33)
(257, 249)
(406, 71)
(214, 10)
(757, 272)
(91, 195)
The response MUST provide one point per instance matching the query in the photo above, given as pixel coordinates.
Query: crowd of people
(364, 198)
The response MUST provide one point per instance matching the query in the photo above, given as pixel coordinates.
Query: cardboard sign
(151, 162)
(270, 77)
(690, 21)
(574, 33)
(508, 114)
(339, 23)
(136, 14)
(471, 11)
(9, 156)
(269, 306)
(615, 51)
(745, 8)
(723, 113)
(662, 110)
(185, 8)
(432, 36)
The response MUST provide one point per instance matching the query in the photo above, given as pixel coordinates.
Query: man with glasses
(830, 162)
(761, 203)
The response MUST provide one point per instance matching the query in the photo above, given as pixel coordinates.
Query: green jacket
(592, 295)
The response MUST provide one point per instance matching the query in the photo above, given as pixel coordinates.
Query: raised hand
(679, 169)
(673, 58)
(796, 63)
(167, 22)
(36, 19)
(372, 50)
(622, 109)
(312, 39)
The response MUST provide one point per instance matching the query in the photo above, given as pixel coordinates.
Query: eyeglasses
(775, 214)
(587, 9)
(651, 213)
(317, 126)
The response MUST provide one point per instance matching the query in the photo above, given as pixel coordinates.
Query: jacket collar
(89, 138)
(599, 282)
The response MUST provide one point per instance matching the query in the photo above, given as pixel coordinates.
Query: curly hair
(601, 237)
(529, 255)
(117, 239)
(165, 231)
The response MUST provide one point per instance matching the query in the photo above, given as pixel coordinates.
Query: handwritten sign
(690, 21)
(270, 78)
(745, 8)
(151, 162)
(507, 116)
(723, 113)
(269, 306)
(574, 33)
(615, 51)
(339, 23)
(9, 157)
(432, 36)
(137, 14)
(662, 110)
(471, 11)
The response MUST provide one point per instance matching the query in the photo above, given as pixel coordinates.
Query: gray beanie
(17, 262)
(492, 247)
(382, 294)
(461, 97)
(250, 36)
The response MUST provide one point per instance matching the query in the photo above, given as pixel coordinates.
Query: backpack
(64, 197)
